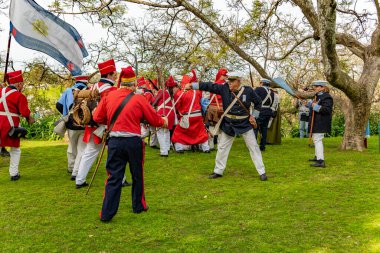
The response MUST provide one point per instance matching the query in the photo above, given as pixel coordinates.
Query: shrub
(42, 129)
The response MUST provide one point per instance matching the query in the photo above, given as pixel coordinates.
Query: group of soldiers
(183, 115)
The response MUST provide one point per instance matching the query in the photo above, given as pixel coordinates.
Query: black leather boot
(313, 159)
(319, 164)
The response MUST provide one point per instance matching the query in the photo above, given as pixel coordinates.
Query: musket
(250, 76)
(152, 83)
(98, 163)
(312, 124)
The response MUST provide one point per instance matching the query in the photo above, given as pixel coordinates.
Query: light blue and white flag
(282, 83)
(35, 28)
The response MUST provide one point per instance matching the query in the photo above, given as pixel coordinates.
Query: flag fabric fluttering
(35, 28)
(282, 83)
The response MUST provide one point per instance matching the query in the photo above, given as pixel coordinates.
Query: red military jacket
(184, 103)
(216, 100)
(166, 109)
(128, 121)
(149, 96)
(104, 86)
(196, 133)
(17, 104)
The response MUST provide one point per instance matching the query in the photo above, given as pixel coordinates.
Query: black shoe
(319, 164)
(15, 178)
(313, 159)
(263, 177)
(262, 149)
(126, 183)
(78, 186)
(164, 155)
(214, 176)
(105, 220)
(180, 151)
(73, 178)
(206, 151)
(155, 147)
(5, 152)
(143, 210)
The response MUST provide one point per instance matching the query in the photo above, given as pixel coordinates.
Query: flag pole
(7, 59)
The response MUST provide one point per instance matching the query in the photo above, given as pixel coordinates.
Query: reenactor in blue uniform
(236, 120)
(266, 112)
(320, 122)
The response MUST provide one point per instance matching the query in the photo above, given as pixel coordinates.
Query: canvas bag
(185, 120)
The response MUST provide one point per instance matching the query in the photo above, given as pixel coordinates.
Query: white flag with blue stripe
(35, 28)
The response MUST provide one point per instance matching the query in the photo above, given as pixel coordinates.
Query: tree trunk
(356, 118)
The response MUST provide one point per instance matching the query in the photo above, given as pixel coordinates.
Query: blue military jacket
(229, 126)
(265, 108)
(322, 113)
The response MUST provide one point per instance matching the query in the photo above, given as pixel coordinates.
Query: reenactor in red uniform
(191, 129)
(215, 108)
(13, 104)
(125, 145)
(165, 103)
(104, 86)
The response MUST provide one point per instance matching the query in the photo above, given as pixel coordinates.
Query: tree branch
(344, 39)
(292, 49)
(223, 36)
(270, 12)
(375, 40)
(377, 10)
(333, 72)
(103, 6)
(351, 43)
(308, 10)
(171, 27)
(147, 3)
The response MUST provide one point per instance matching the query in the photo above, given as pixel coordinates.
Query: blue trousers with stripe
(121, 151)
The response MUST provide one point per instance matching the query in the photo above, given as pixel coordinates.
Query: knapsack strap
(217, 126)
(119, 109)
(3, 101)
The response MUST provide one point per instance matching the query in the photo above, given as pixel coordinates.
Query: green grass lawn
(300, 209)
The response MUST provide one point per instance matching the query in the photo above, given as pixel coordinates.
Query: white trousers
(182, 147)
(224, 147)
(75, 150)
(144, 131)
(163, 136)
(15, 154)
(204, 146)
(88, 158)
(318, 143)
(211, 129)
(153, 137)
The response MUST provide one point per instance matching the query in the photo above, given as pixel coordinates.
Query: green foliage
(300, 209)
(338, 126)
(42, 129)
(257, 10)
(374, 121)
